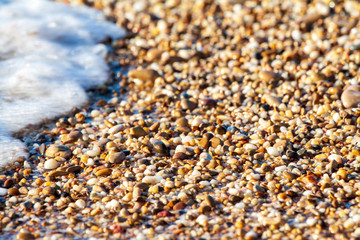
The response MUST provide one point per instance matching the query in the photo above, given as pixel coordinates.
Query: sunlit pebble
(112, 204)
(205, 156)
(180, 148)
(3, 191)
(51, 164)
(202, 220)
(80, 203)
(152, 179)
(273, 151)
(335, 157)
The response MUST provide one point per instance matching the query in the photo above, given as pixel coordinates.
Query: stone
(350, 97)
(58, 151)
(51, 164)
(145, 75)
(103, 172)
(137, 132)
(161, 148)
(115, 157)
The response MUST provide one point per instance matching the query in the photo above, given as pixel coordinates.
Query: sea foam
(49, 56)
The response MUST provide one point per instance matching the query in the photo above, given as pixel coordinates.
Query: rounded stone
(273, 152)
(58, 151)
(161, 148)
(51, 164)
(350, 97)
(116, 157)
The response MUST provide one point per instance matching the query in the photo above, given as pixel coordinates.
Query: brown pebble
(58, 151)
(259, 156)
(25, 236)
(204, 209)
(8, 183)
(49, 191)
(71, 137)
(58, 174)
(161, 148)
(204, 142)
(216, 142)
(145, 75)
(180, 156)
(142, 185)
(290, 175)
(154, 127)
(179, 206)
(271, 100)
(209, 200)
(153, 54)
(103, 172)
(116, 157)
(182, 122)
(269, 76)
(207, 102)
(187, 104)
(350, 97)
(220, 130)
(74, 169)
(138, 132)
(13, 192)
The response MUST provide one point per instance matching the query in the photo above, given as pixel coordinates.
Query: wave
(49, 56)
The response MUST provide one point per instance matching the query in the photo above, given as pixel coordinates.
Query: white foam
(49, 55)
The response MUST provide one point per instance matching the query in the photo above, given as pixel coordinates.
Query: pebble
(207, 102)
(187, 104)
(180, 156)
(269, 76)
(144, 75)
(115, 157)
(271, 100)
(58, 151)
(273, 152)
(25, 235)
(161, 148)
(58, 173)
(179, 206)
(103, 172)
(202, 220)
(350, 97)
(51, 164)
(205, 156)
(13, 192)
(152, 179)
(138, 132)
(182, 123)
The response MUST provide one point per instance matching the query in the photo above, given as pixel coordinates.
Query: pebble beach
(221, 119)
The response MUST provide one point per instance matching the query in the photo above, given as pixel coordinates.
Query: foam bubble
(49, 56)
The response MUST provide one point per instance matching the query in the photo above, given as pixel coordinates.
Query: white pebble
(202, 220)
(272, 151)
(80, 203)
(180, 148)
(3, 191)
(116, 129)
(51, 164)
(250, 147)
(152, 179)
(205, 156)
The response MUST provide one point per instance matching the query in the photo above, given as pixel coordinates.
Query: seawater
(49, 56)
